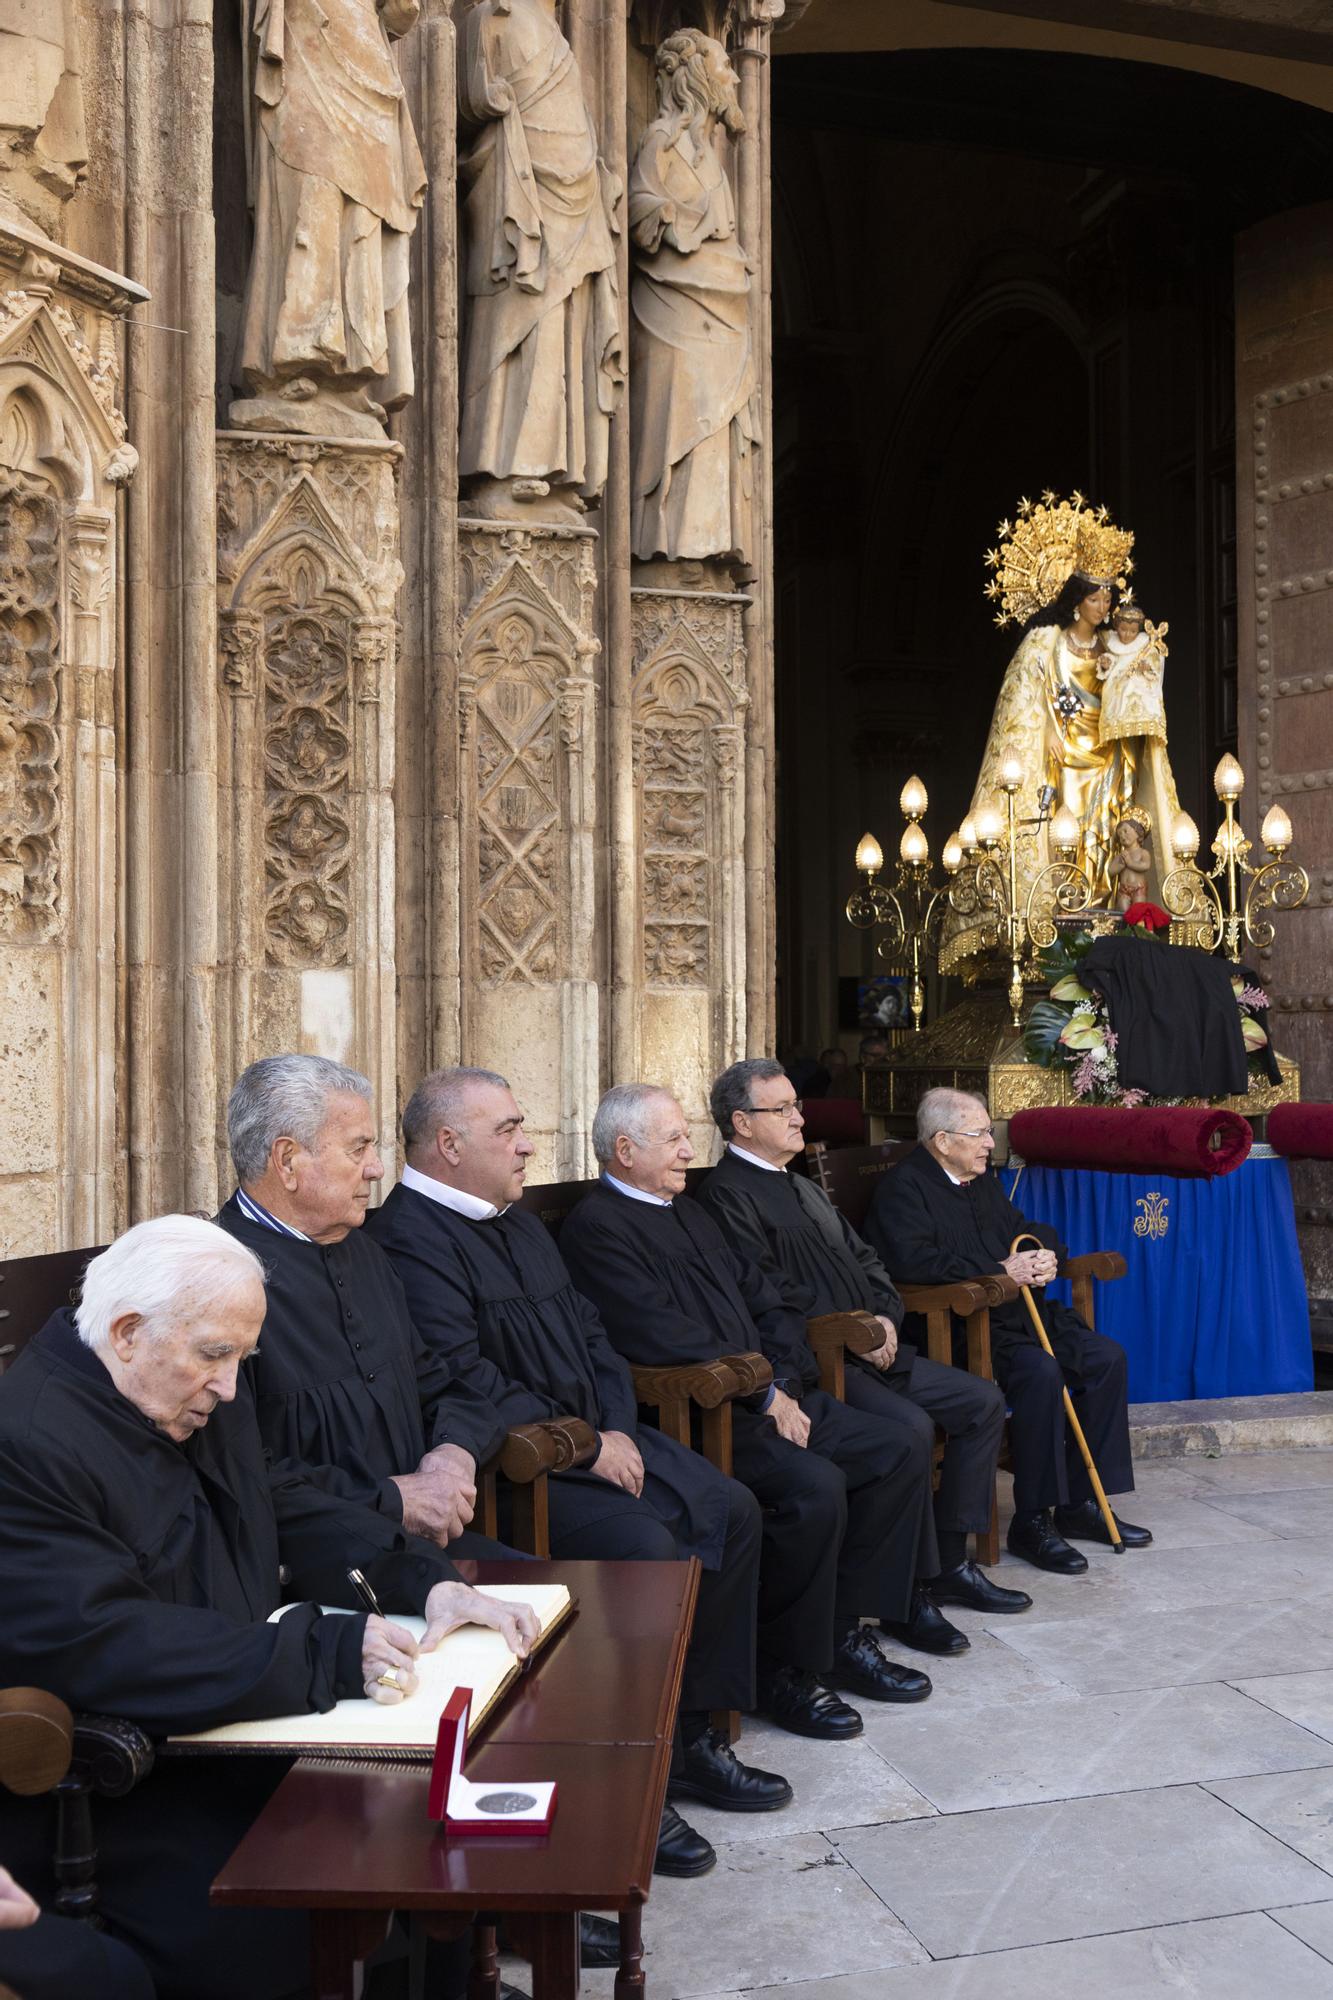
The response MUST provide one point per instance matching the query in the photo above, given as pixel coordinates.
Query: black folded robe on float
(1174, 1016)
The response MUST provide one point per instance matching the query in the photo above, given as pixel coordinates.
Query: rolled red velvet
(1166, 1139)
(1302, 1131)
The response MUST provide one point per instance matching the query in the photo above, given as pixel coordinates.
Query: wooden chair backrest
(849, 1175)
(552, 1202)
(31, 1289)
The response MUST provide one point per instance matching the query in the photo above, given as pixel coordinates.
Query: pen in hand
(365, 1595)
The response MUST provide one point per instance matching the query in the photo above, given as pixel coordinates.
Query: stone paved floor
(1127, 1791)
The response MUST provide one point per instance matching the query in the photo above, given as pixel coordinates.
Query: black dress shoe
(860, 1667)
(794, 1700)
(970, 1585)
(1085, 1523)
(1032, 1537)
(712, 1773)
(927, 1630)
(599, 1941)
(680, 1850)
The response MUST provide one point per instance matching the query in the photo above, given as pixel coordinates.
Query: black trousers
(57, 1959)
(842, 1525)
(1048, 1467)
(969, 1411)
(592, 1518)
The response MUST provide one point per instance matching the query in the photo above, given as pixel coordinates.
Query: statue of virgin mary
(1060, 569)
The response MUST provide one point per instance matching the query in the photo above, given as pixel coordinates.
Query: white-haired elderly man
(941, 1215)
(143, 1534)
(842, 1495)
(344, 1383)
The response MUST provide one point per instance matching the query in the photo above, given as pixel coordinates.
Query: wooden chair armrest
(553, 1444)
(964, 1296)
(832, 1337)
(1103, 1264)
(705, 1383)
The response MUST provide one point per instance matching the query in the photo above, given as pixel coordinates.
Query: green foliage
(1041, 1034)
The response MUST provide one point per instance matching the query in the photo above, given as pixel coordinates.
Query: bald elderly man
(941, 1215)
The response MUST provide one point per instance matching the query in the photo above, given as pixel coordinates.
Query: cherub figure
(1129, 866)
(1135, 656)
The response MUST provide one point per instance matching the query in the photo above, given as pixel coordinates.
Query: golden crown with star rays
(1037, 553)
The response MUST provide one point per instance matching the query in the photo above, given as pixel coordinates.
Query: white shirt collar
(753, 1158)
(470, 1205)
(256, 1211)
(635, 1194)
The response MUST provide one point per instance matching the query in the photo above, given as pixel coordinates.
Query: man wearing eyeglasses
(820, 1265)
(941, 1215)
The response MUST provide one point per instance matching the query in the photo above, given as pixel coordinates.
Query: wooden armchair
(530, 1452)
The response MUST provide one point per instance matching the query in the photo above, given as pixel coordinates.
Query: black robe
(934, 1232)
(136, 1578)
(671, 1290)
(1174, 1015)
(345, 1385)
(808, 1251)
(496, 1302)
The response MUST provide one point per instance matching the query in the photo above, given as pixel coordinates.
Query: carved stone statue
(337, 183)
(694, 423)
(543, 364)
(43, 143)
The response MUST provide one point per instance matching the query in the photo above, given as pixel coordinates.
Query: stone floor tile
(771, 1910)
(989, 1671)
(1295, 1515)
(990, 1881)
(1295, 1806)
(1219, 1642)
(1251, 1471)
(1314, 1923)
(847, 1782)
(1007, 1755)
(1166, 1579)
(1196, 1522)
(1303, 1698)
(1222, 1958)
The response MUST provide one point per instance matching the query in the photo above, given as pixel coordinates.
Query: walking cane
(1074, 1424)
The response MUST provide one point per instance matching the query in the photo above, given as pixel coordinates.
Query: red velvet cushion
(1166, 1139)
(1302, 1131)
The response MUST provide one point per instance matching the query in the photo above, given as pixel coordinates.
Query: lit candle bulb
(1011, 774)
(914, 847)
(967, 833)
(869, 855)
(952, 857)
(912, 800)
(989, 825)
(1064, 831)
(1184, 836)
(1228, 778)
(1275, 832)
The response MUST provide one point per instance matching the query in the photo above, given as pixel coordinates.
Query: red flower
(1147, 917)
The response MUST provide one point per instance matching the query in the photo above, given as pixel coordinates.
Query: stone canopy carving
(694, 418)
(543, 364)
(43, 143)
(338, 182)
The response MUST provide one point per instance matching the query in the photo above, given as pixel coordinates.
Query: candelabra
(988, 877)
(910, 909)
(1219, 905)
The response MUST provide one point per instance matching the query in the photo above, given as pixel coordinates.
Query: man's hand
(433, 1506)
(619, 1461)
(1031, 1267)
(885, 1355)
(449, 1462)
(790, 1418)
(453, 1604)
(387, 1648)
(17, 1909)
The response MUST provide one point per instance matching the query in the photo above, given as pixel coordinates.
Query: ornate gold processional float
(1074, 832)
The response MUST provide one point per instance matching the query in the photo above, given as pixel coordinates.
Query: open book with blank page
(402, 1731)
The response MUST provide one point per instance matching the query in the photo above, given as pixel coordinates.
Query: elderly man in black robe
(144, 1535)
(820, 1265)
(940, 1215)
(488, 1289)
(842, 1497)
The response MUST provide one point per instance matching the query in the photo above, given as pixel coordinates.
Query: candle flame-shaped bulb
(1275, 832)
(1184, 836)
(1228, 778)
(912, 800)
(869, 855)
(1011, 774)
(1064, 831)
(914, 847)
(952, 857)
(989, 826)
(967, 833)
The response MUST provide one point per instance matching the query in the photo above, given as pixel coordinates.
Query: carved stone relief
(29, 703)
(43, 140)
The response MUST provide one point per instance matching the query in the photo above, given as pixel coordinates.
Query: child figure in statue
(1131, 864)
(1135, 656)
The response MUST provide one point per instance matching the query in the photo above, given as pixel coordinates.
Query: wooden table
(353, 1842)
